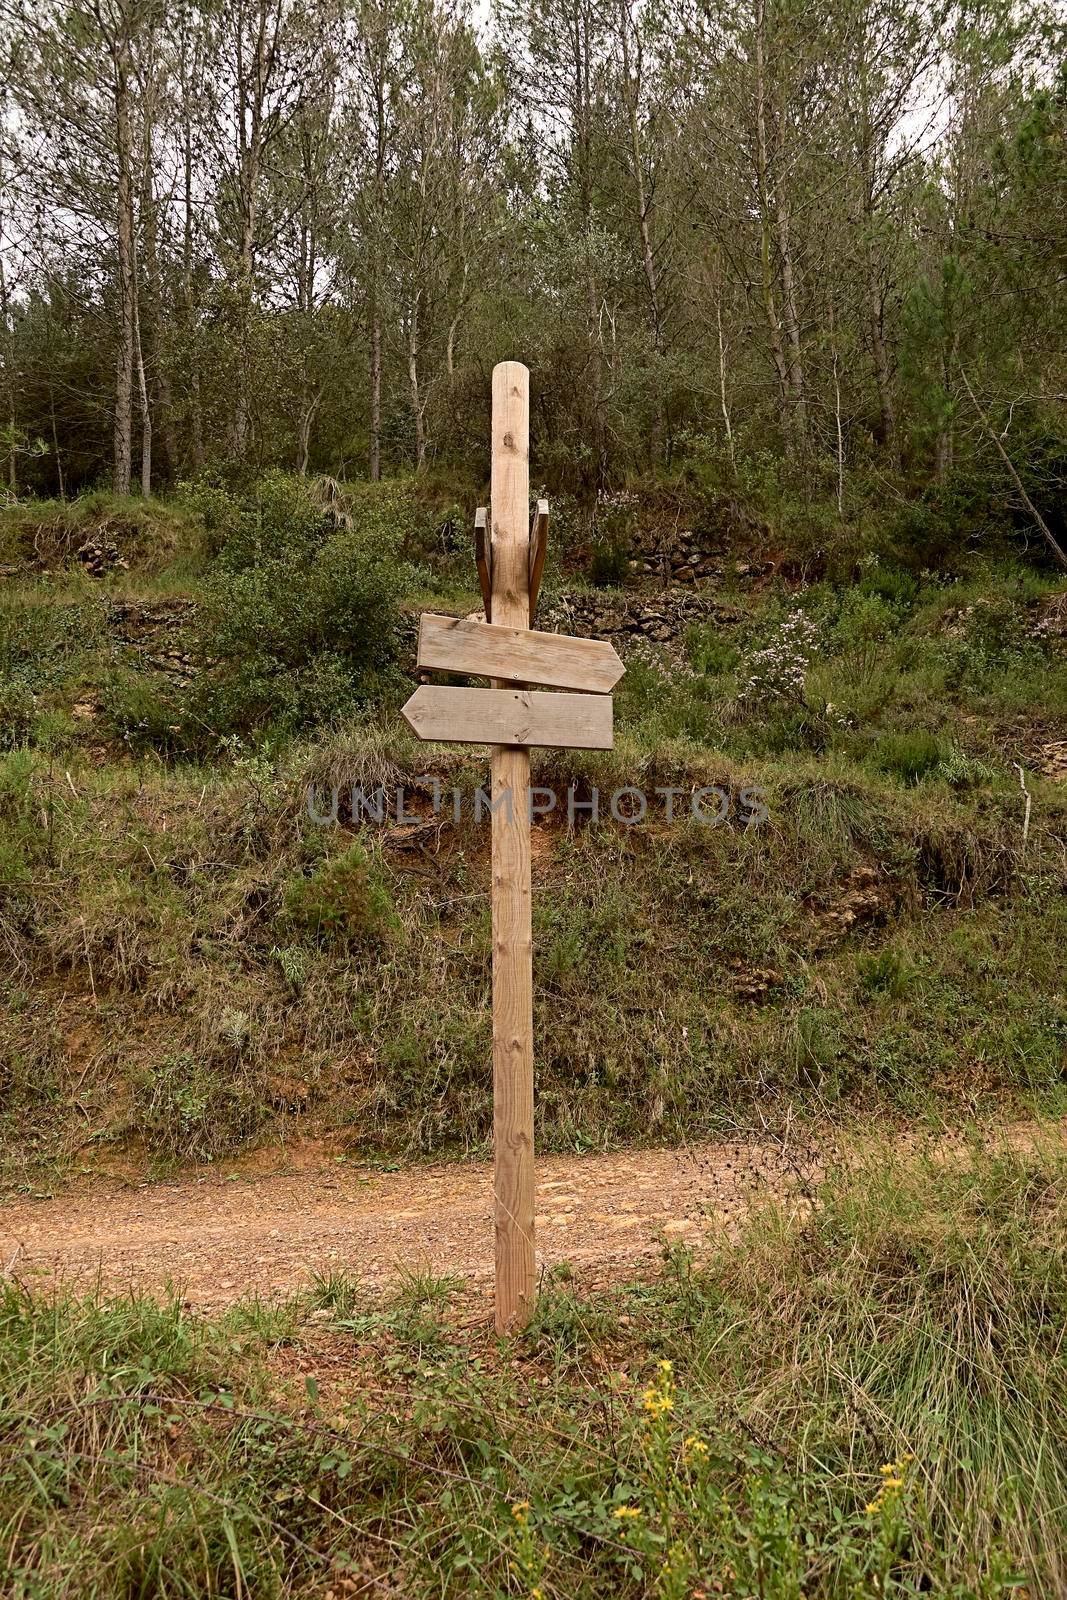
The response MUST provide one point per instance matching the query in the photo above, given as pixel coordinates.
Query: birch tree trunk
(632, 90)
(381, 146)
(196, 408)
(9, 374)
(253, 80)
(722, 380)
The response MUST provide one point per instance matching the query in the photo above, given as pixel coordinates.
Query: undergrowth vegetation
(868, 1399)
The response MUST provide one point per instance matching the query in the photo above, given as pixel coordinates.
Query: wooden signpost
(459, 644)
(510, 558)
(511, 716)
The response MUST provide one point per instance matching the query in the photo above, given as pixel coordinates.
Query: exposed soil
(216, 1237)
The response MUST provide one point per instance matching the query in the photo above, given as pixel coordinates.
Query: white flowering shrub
(777, 674)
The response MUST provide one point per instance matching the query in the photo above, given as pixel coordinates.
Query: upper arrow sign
(510, 716)
(453, 644)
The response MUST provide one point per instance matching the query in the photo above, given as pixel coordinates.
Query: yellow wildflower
(623, 1512)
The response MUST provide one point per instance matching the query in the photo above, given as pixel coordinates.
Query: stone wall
(676, 554)
(662, 618)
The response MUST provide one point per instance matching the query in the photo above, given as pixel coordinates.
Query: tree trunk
(252, 95)
(124, 359)
(375, 463)
(150, 314)
(246, 268)
(631, 90)
(722, 381)
(837, 418)
(879, 348)
(417, 403)
(792, 323)
(196, 411)
(142, 394)
(57, 454)
(775, 212)
(308, 407)
(9, 371)
(770, 309)
(944, 449)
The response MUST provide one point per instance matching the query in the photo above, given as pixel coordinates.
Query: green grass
(868, 1400)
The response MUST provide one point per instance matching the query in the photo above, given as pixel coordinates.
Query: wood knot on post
(509, 440)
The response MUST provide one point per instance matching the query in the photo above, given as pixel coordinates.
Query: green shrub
(146, 713)
(18, 712)
(922, 536)
(909, 756)
(345, 901)
(865, 626)
(962, 771)
(710, 653)
(886, 974)
(888, 582)
(609, 565)
(194, 1108)
(299, 621)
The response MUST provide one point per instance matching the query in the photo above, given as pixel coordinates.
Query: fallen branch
(1026, 792)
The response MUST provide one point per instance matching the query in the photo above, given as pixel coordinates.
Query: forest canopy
(757, 238)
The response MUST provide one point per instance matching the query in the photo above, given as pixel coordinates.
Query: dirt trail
(217, 1238)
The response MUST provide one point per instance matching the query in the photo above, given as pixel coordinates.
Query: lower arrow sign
(511, 716)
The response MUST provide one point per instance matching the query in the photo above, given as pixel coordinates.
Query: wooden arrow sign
(455, 644)
(510, 717)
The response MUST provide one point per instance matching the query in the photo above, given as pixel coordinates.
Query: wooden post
(509, 570)
(513, 1103)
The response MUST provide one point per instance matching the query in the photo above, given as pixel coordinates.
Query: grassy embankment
(190, 963)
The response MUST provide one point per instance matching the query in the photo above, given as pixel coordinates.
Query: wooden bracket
(483, 555)
(538, 550)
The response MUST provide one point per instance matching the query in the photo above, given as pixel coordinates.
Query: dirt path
(218, 1238)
